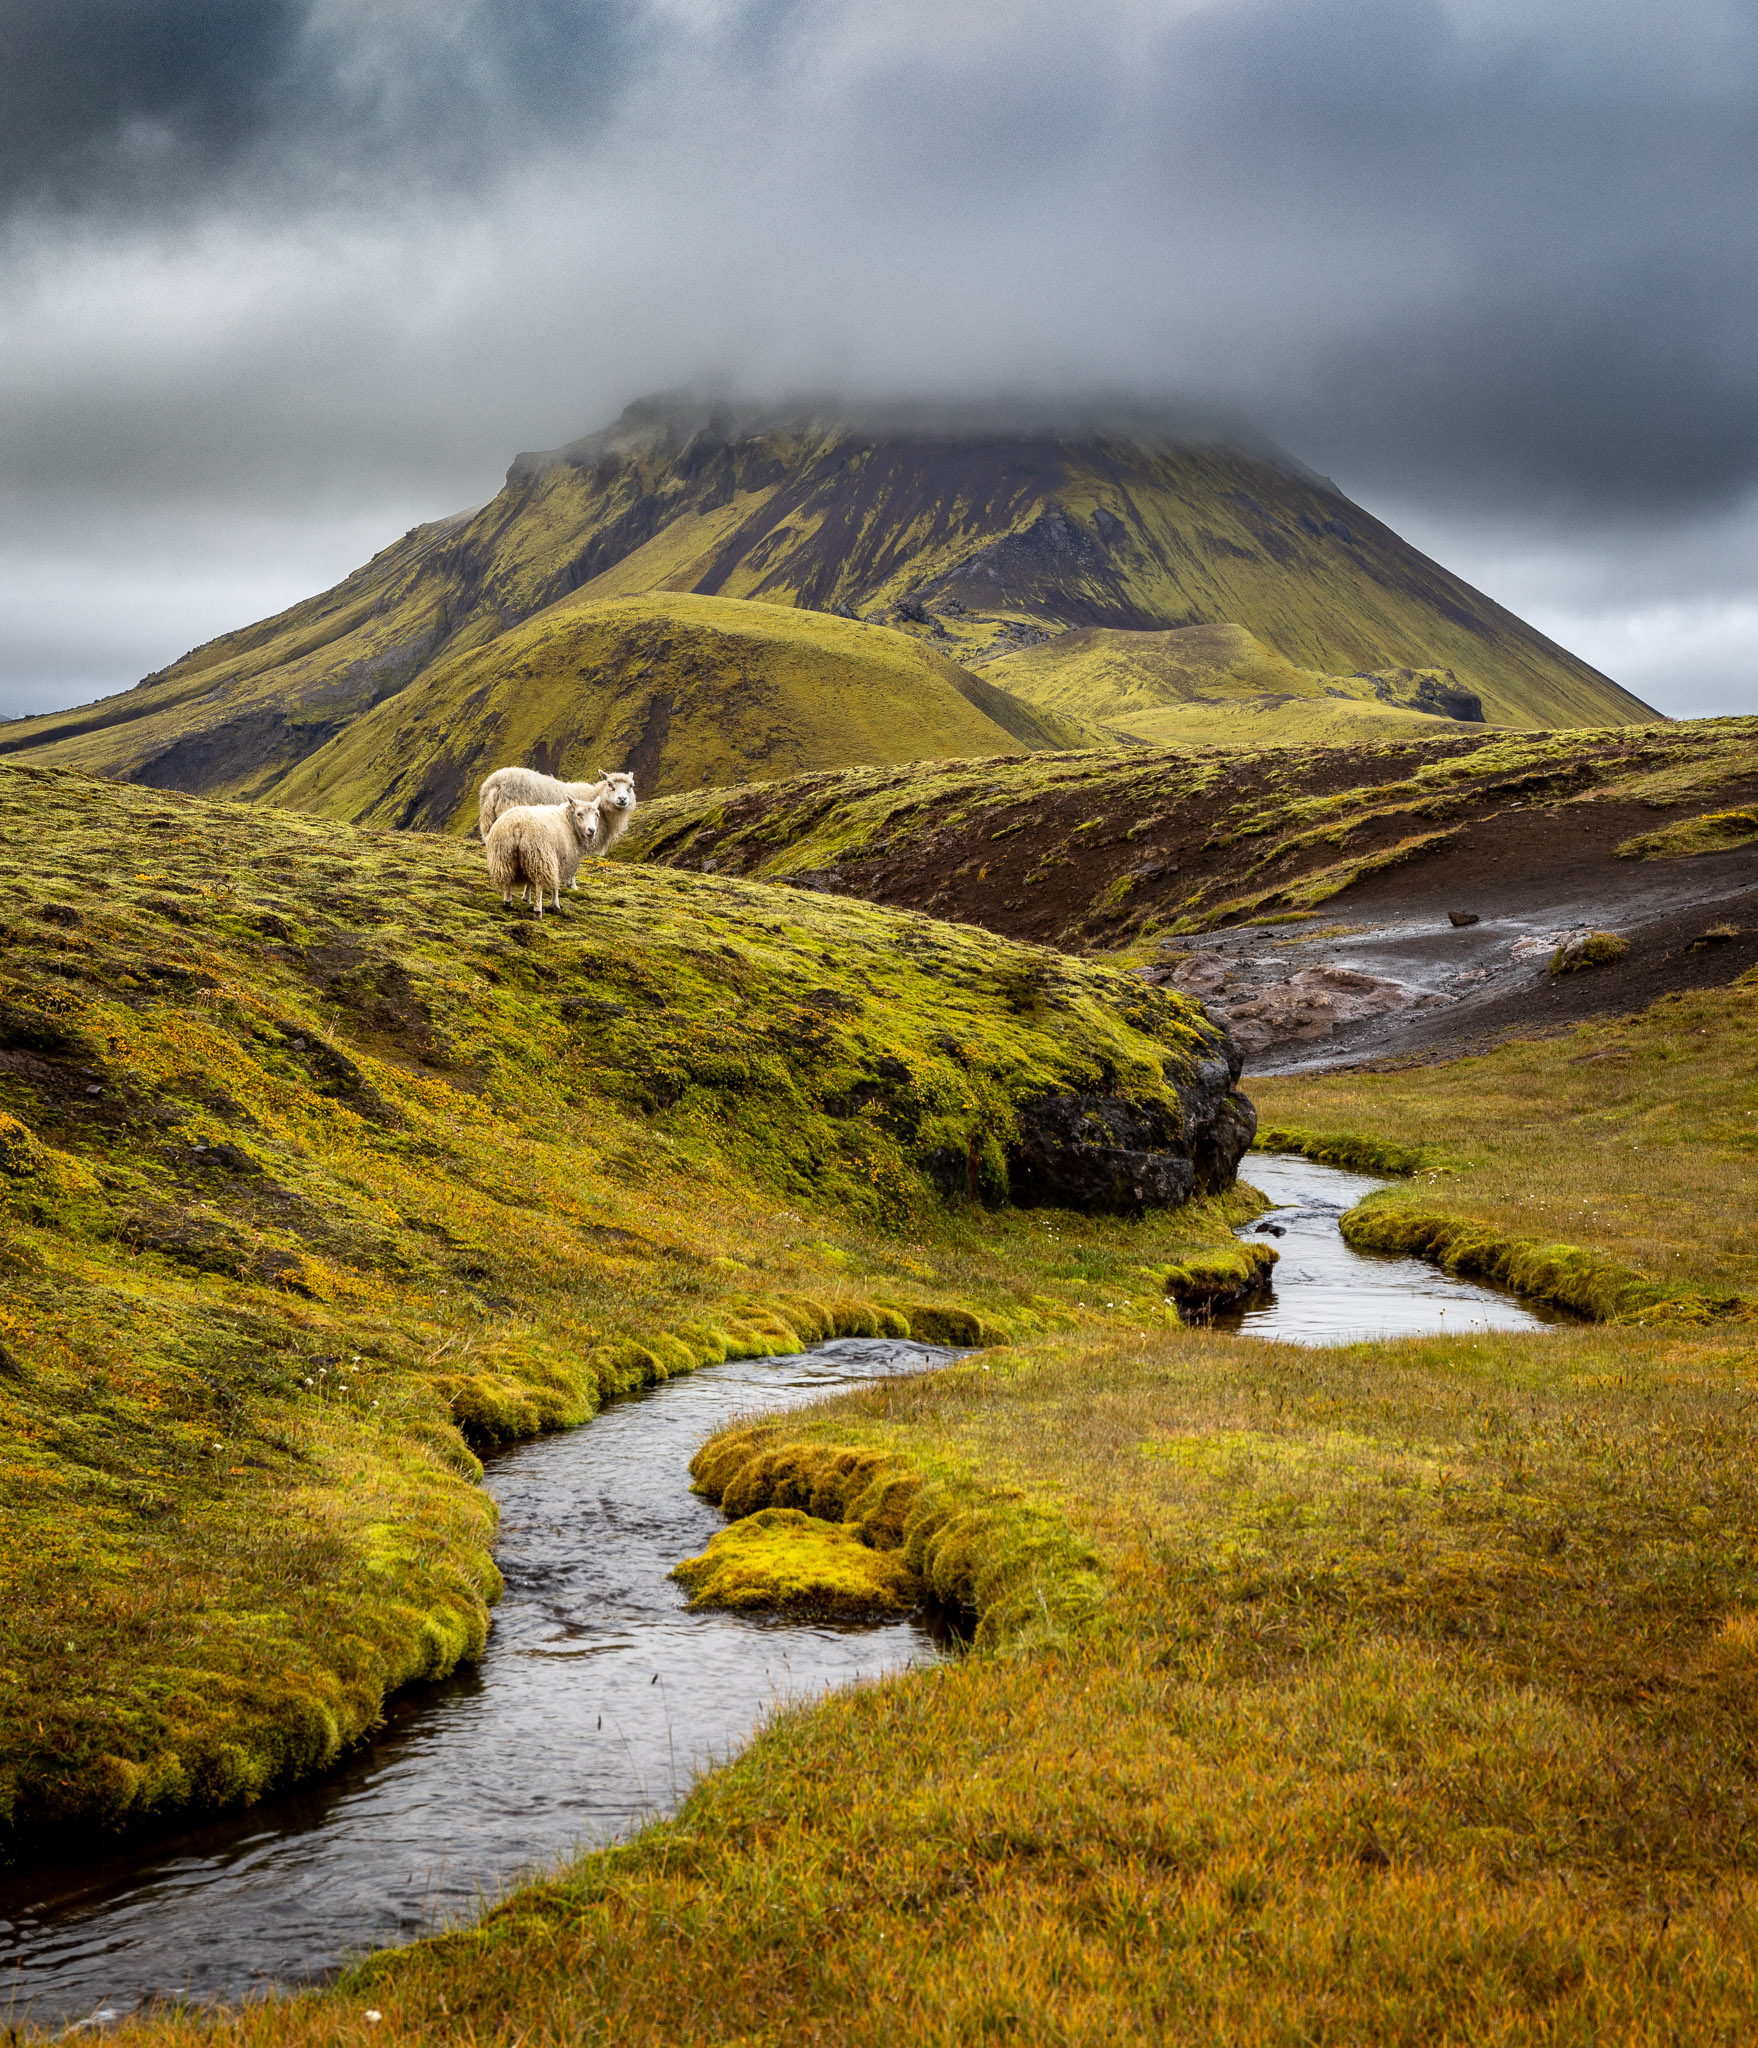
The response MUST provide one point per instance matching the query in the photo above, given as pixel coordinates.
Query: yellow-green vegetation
(1595, 949)
(971, 542)
(1252, 723)
(1115, 846)
(784, 1559)
(684, 691)
(1713, 832)
(1220, 686)
(318, 1168)
(1411, 1699)
(1611, 1169)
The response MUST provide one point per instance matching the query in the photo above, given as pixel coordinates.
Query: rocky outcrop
(1109, 1154)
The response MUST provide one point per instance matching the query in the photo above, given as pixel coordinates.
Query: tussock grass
(1419, 1708)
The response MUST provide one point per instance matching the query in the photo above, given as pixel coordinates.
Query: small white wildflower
(374, 2015)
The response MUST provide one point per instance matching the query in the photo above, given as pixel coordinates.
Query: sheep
(614, 795)
(541, 845)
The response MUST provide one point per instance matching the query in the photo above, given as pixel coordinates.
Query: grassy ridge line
(1118, 849)
(1419, 1709)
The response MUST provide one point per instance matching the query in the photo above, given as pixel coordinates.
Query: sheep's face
(619, 792)
(584, 819)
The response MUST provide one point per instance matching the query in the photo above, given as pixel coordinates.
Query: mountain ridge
(977, 537)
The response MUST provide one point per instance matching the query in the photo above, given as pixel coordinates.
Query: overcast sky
(279, 278)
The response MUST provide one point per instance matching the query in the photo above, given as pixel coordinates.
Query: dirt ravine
(1309, 896)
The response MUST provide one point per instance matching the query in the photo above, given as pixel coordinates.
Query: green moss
(1356, 1151)
(1713, 832)
(1568, 1274)
(780, 1558)
(1596, 949)
(1205, 1281)
(1011, 1565)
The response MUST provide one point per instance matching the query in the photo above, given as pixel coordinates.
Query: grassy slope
(317, 1166)
(685, 691)
(1402, 1693)
(1249, 724)
(1634, 1187)
(1082, 849)
(815, 514)
(1416, 1705)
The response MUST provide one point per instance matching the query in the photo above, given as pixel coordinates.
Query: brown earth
(1177, 859)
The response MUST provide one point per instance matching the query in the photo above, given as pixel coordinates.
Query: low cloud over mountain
(283, 278)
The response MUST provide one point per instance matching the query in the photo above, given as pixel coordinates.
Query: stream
(600, 1696)
(599, 1699)
(1326, 1293)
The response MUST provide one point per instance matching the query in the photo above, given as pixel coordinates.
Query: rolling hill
(682, 690)
(1220, 685)
(979, 539)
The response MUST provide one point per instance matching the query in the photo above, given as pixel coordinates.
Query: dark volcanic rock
(1111, 1154)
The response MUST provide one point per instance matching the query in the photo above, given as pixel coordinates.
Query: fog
(284, 276)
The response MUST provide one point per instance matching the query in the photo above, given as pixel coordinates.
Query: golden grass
(1418, 1709)
(1632, 1140)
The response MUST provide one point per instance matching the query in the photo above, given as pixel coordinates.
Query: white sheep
(542, 846)
(613, 794)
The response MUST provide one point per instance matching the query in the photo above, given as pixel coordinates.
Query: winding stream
(600, 1695)
(1325, 1293)
(599, 1698)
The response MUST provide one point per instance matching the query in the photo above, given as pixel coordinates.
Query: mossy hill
(318, 1167)
(680, 690)
(978, 541)
(1222, 685)
(1101, 851)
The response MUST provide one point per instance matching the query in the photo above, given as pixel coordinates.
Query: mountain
(682, 690)
(980, 538)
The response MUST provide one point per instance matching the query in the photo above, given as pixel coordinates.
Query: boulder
(1109, 1154)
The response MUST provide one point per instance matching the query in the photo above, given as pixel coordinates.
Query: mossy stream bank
(320, 1173)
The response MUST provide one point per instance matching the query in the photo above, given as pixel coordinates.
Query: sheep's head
(584, 819)
(619, 791)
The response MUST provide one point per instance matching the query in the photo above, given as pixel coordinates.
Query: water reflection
(1325, 1293)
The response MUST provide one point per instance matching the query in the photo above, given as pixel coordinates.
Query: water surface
(598, 1700)
(1326, 1293)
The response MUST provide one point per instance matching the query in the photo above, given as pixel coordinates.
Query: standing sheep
(614, 795)
(540, 846)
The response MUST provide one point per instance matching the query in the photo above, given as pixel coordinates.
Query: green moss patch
(780, 1558)
(1713, 832)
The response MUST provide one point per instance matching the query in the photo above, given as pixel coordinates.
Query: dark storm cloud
(1489, 260)
(130, 104)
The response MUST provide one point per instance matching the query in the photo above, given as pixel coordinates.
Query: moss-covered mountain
(318, 1166)
(979, 540)
(681, 690)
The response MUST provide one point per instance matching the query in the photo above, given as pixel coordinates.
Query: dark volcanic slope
(980, 541)
(1232, 874)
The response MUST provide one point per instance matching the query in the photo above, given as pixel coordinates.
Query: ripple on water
(599, 1699)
